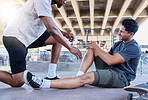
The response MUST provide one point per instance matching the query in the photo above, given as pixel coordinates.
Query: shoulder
(133, 45)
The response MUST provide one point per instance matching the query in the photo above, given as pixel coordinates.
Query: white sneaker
(32, 80)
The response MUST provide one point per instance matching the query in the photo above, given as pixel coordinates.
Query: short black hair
(130, 25)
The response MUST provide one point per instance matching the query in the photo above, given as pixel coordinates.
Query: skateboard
(141, 89)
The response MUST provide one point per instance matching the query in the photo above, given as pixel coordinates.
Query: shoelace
(38, 80)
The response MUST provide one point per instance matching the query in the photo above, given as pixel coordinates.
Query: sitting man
(115, 69)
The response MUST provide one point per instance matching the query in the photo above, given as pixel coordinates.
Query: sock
(79, 73)
(45, 84)
(52, 70)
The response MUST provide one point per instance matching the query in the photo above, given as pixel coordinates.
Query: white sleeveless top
(26, 25)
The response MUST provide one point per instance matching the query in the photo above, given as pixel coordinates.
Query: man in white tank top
(31, 27)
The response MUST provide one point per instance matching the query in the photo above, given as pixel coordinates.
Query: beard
(120, 37)
(58, 5)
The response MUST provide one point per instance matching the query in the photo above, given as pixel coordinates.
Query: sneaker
(55, 78)
(32, 80)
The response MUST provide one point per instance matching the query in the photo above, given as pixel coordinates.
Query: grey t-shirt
(131, 52)
(26, 25)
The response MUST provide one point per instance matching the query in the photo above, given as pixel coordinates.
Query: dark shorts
(107, 77)
(17, 51)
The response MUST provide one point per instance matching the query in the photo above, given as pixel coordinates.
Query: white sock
(79, 73)
(45, 84)
(52, 70)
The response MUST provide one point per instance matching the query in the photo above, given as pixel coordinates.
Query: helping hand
(70, 37)
(76, 52)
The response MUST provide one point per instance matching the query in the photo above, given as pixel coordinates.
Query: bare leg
(69, 83)
(87, 61)
(56, 49)
(15, 80)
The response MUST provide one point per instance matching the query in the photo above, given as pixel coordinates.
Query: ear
(132, 33)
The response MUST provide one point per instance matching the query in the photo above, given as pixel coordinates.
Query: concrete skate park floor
(87, 92)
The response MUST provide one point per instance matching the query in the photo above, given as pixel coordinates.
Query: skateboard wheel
(130, 96)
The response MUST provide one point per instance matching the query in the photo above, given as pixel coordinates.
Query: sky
(142, 35)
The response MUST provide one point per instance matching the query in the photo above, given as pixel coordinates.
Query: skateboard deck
(141, 89)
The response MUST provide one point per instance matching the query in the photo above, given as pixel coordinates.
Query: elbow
(110, 64)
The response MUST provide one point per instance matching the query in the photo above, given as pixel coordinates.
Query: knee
(58, 44)
(87, 78)
(91, 51)
(17, 80)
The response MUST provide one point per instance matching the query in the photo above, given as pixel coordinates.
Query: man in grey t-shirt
(32, 27)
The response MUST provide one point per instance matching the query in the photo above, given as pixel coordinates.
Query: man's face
(124, 35)
(60, 3)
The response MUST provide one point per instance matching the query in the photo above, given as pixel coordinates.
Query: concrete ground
(87, 92)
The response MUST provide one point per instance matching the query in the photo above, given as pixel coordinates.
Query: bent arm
(108, 58)
(57, 35)
(54, 31)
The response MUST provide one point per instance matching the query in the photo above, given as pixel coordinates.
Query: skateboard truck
(141, 89)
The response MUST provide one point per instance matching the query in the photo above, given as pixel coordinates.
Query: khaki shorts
(107, 77)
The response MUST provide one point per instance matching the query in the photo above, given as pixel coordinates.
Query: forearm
(54, 31)
(57, 35)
